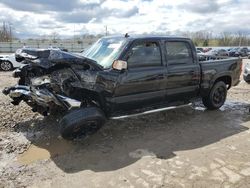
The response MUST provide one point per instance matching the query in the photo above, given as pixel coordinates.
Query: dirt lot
(189, 147)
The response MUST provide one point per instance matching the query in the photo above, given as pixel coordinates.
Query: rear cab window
(178, 52)
(144, 53)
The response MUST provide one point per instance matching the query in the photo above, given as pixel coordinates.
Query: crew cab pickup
(118, 77)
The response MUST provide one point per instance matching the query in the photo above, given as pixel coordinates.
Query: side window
(178, 53)
(144, 54)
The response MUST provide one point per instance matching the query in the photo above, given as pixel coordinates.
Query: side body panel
(217, 69)
(143, 87)
(183, 79)
(139, 87)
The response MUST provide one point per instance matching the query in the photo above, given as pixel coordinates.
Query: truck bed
(230, 68)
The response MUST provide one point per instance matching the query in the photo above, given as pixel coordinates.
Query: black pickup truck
(119, 77)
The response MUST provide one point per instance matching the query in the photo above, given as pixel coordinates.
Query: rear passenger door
(142, 84)
(183, 76)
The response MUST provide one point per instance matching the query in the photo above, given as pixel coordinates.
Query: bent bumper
(41, 97)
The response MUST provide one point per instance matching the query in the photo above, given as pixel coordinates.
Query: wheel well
(7, 61)
(85, 94)
(226, 79)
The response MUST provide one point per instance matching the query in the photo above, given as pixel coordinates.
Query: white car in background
(8, 62)
(201, 55)
(246, 73)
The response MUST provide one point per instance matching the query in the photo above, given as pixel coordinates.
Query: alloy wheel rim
(219, 95)
(5, 66)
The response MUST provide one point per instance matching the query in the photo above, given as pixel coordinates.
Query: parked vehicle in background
(233, 52)
(237, 52)
(217, 52)
(199, 52)
(246, 49)
(246, 73)
(120, 77)
(206, 49)
(222, 52)
(243, 51)
(212, 52)
(201, 55)
(8, 62)
(200, 49)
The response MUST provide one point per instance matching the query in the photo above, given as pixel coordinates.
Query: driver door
(142, 84)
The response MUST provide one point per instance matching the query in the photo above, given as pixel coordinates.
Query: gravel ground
(188, 147)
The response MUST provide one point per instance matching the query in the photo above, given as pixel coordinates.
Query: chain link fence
(71, 46)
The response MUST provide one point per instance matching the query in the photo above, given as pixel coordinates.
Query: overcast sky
(31, 18)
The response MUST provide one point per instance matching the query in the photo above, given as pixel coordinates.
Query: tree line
(207, 38)
(200, 38)
(6, 34)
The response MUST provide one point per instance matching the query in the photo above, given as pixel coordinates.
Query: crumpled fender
(47, 58)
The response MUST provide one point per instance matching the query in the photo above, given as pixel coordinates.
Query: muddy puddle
(45, 150)
(229, 105)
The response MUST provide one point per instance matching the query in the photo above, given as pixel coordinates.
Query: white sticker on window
(114, 45)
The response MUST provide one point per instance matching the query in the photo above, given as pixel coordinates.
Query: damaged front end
(50, 80)
(41, 100)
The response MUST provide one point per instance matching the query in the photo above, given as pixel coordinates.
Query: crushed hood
(47, 58)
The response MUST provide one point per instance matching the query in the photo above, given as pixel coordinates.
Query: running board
(151, 111)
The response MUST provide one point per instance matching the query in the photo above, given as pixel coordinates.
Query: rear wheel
(81, 122)
(216, 97)
(6, 65)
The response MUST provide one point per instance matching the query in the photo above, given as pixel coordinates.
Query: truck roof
(147, 37)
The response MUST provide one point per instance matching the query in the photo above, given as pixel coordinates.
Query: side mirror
(120, 65)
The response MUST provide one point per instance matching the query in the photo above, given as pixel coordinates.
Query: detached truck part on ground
(119, 77)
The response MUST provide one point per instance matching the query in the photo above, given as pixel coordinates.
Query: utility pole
(106, 30)
(4, 32)
(10, 32)
(240, 41)
(74, 37)
(74, 32)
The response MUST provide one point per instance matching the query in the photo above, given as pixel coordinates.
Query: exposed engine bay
(52, 80)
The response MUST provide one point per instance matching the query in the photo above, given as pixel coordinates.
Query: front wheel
(6, 65)
(217, 96)
(81, 122)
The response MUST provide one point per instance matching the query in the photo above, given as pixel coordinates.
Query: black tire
(6, 65)
(246, 80)
(217, 96)
(81, 122)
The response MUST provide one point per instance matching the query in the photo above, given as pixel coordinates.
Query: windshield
(105, 51)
